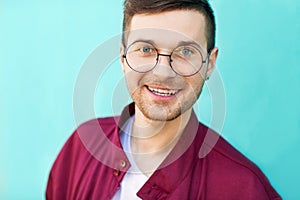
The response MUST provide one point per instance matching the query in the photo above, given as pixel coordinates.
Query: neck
(153, 140)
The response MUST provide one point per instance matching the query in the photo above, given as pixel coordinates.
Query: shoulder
(234, 161)
(219, 150)
(82, 156)
(89, 133)
(232, 171)
(104, 124)
(94, 131)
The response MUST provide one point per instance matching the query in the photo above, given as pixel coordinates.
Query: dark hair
(133, 7)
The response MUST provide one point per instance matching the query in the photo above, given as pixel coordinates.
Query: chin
(162, 118)
(160, 113)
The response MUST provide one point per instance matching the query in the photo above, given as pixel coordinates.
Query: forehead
(168, 28)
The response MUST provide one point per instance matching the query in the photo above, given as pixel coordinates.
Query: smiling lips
(162, 92)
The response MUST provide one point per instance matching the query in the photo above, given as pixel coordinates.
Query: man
(152, 150)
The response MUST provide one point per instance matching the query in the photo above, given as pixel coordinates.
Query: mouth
(163, 92)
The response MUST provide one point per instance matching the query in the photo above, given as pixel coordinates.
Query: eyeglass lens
(143, 57)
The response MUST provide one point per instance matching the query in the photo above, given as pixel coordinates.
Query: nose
(163, 67)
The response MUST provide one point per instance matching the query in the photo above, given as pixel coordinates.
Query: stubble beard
(164, 111)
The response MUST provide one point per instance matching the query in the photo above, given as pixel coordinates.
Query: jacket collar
(178, 163)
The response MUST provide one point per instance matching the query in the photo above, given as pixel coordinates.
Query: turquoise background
(43, 45)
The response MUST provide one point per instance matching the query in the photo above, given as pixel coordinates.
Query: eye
(142, 49)
(186, 51)
(146, 49)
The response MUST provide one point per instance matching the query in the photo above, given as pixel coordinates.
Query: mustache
(171, 83)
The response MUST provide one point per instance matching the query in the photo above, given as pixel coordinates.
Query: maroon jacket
(202, 165)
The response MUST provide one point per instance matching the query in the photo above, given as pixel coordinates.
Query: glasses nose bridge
(164, 55)
(163, 67)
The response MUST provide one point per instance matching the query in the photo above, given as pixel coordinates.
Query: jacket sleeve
(59, 178)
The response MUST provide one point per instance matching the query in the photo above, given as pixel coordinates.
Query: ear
(122, 49)
(212, 61)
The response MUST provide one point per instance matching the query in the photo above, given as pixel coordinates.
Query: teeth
(161, 92)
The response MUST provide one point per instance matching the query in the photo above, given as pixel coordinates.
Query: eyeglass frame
(160, 54)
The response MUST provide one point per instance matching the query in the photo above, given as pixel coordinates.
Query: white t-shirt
(134, 179)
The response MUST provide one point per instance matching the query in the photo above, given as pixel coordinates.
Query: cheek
(202, 72)
(125, 67)
(133, 79)
(195, 84)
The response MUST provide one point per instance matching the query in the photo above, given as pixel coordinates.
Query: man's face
(161, 94)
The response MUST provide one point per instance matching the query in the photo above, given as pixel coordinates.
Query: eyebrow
(188, 43)
(181, 43)
(143, 40)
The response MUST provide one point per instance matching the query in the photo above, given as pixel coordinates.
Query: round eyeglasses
(185, 60)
